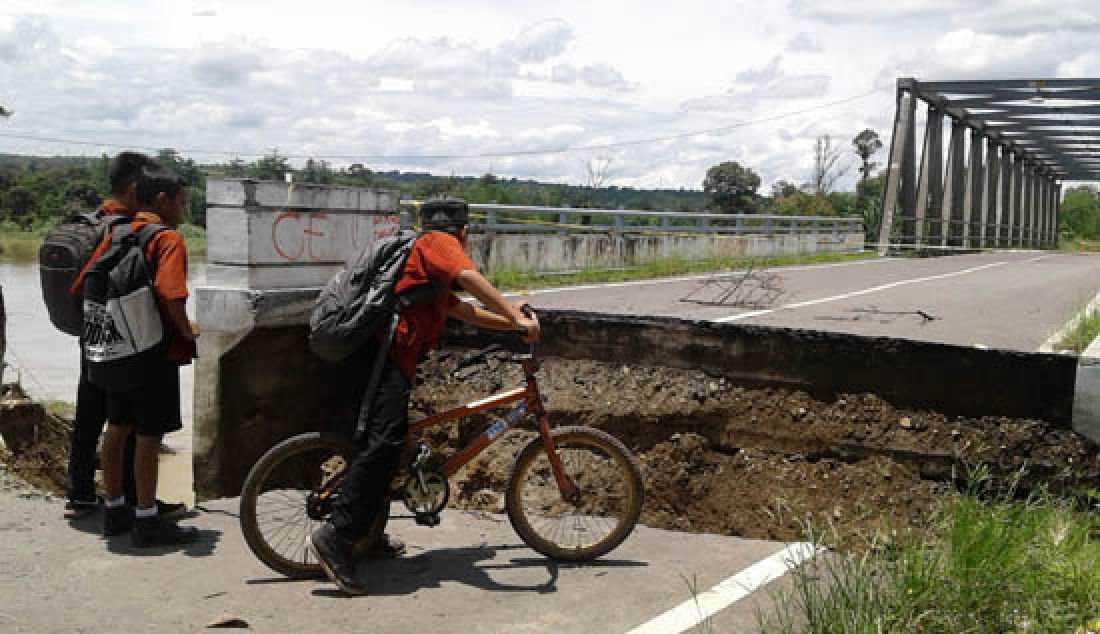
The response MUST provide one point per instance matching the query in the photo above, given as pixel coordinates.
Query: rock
(486, 499)
(227, 620)
(906, 423)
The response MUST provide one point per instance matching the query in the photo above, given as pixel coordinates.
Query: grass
(991, 563)
(518, 280)
(1084, 331)
(1079, 245)
(22, 245)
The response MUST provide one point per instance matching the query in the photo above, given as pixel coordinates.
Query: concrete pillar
(973, 201)
(1044, 210)
(901, 167)
(1005, 198)
(270, 247)
(1057, 213)
(1036, 180)
(992, 195)
(955, 188)
(1025, 186)
(1017, 198)
(930, 190)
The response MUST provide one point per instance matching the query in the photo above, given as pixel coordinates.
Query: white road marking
(687, 278)
(874, 289)
(1057, 337)
(706, 604)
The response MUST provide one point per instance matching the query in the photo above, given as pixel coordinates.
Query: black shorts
(154, 408)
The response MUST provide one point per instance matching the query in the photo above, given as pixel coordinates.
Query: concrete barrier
(544, 253)
(270, 247)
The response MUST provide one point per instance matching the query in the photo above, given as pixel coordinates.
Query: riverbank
(22, 245)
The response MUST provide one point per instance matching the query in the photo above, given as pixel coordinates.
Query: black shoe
(334, 554)
(77, 509)
(117, 520)
(154, 531)
(171, 510)
(386, 547)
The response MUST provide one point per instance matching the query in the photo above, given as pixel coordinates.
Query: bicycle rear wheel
(273, 513)
(611, 493)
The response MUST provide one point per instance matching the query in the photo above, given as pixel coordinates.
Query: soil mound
(756, 463)
(35, 443)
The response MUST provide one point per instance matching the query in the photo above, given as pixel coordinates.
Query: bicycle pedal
(427, 519)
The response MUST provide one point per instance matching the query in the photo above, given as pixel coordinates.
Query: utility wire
(480, 155)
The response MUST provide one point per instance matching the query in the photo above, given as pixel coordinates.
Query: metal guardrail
(495, 218)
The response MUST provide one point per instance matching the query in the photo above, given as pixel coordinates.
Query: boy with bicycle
(438, 257)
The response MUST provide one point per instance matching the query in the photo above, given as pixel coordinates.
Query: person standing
(91, 404)
(151, 409)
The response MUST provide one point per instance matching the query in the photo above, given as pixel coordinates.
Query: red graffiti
(291, 240)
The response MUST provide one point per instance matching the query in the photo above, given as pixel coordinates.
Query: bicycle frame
(528, 399)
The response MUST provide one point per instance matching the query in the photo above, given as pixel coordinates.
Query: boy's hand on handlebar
(528, 321)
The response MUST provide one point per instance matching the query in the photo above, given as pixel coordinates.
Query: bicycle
(574, 494)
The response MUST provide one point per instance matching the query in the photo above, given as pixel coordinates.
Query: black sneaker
(386, 547)
(334, 554)
(154, 531)
(77, 509)
(117, 520)
(171, 510)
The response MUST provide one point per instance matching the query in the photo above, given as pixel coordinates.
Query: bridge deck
(1007, 300)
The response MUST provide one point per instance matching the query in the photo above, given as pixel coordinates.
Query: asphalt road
(1006, 300)
(470, 574)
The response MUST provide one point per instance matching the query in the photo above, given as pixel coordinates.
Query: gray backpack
(124, 338)
(360, 299)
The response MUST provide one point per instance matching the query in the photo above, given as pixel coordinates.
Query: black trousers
(363, 493)
(91, 415)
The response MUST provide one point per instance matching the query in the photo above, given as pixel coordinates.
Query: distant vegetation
(36, 192)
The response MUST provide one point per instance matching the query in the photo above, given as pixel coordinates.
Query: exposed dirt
(35, 444)
(754, 462)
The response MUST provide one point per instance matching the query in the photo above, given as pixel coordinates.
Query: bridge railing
(496, 218)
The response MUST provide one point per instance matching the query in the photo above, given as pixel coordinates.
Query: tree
(1079, 216)
(867, 143)
(827, 167)
(21, 202)
(783, 189)
(731, 187)
(4, 112)
(271, 167)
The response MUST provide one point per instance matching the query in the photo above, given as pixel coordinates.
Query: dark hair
(126, 168)
(445, 214)
(156, 180)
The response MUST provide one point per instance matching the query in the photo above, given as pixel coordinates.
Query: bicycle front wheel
(274, 517)
(610, 498)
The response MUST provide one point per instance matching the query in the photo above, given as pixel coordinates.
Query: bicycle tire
(532, 492)
(261, 479)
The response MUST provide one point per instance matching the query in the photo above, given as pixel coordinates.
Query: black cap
(444, 213)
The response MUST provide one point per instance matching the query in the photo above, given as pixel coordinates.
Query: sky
(493, 86)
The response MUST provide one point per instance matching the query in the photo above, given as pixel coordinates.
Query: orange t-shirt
(168, 255)
(436, 257)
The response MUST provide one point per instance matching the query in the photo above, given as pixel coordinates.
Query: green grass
(989, 564)
(22, 245)
(518, 280)
(1082, 334)
(1079, 245)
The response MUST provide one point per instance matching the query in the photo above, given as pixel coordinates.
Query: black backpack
(62, 256)
(124, 337)
(360, 299)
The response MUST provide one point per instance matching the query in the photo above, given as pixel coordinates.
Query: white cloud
(540, 41)
(804, 43)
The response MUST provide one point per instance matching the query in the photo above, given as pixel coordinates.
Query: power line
(480, 155)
